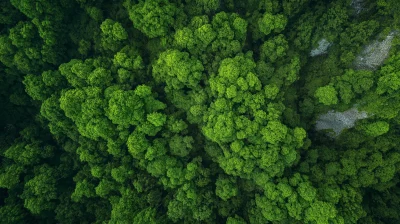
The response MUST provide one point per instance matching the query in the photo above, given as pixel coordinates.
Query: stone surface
(374, 54)
(338, 121)
(357, 5)
(322, 48)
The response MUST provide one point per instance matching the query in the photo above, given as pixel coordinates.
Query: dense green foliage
(195, 111)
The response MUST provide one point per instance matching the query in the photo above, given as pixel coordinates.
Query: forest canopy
(199, 111)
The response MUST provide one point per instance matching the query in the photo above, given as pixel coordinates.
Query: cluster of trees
(195, 111)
